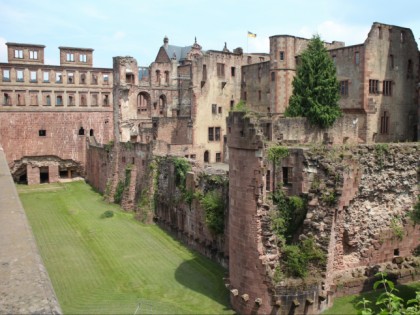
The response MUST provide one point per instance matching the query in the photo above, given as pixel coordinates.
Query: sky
(137, 27)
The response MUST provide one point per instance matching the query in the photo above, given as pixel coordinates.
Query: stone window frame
(356, 58)
(344, 87)
(33, 76)
(220, 69)
(70, 57)
(6, 78)
(70, 77)
(59, 100)
(18, 53)
(214, 134)
(282, 55)
(7, 98)
(373, 86)
(387, 87)
(33, 54)
(83, 58)
(105, 78)
(218, 157)
(18, 77)
(384, 126)
(46, 76)
(58, 77)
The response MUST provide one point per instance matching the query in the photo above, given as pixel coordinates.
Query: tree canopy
(315, 87)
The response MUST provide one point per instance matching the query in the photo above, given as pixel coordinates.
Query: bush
(119, 192)
(107, 214)
(213, 205)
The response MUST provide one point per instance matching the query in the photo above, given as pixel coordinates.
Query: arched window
(162, 104)
(81, 131)
(206, 156)
(91, 132)
(143, 103)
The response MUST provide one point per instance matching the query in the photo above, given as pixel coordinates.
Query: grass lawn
(112, 265)
(347, 304)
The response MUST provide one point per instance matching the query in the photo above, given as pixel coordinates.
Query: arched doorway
(206, 157)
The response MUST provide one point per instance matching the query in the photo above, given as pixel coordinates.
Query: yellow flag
(251, 34)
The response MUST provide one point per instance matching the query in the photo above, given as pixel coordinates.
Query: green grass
(109, 265)
(348, 304)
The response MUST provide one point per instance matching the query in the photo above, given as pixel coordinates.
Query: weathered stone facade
(48, 112)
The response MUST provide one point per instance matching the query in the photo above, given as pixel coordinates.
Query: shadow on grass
(199, 275)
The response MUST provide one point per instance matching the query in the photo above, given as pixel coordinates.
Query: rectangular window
(70, 101)
(259, 95)
(58, 77)
(7, 100)
(82, 58)
(344, 88)
(373, 86)
(217, 134)
(214, 108)
(34, 98)
(281, 55)
(220, 69)
(33, 54)
(106, 79)
(232, 71)
(18, 54)
(232, 104)
(19, 75)
(218, 157)
(42, 132)
(83, 99)
(21, 99)
(387, 88)
(273, 76)
(6, 75)
(46, 76)
(106, 100)
(47, 100)
(391, 61)
(59, 100)
(268, 181)
(204, 73)
(245, 96)
(70, 57)
(287, 176)
(211, 134)
(94, 78)
(83, 78)
(219, 110)
(356, 58)
(384, 123)
(94, 99)
(70, 78)
(33, 76)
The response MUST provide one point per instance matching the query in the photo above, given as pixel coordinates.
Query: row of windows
(373, 87)
(386, 87)
(57, 99)
(81, 132)
(70, 57)
(56, 76)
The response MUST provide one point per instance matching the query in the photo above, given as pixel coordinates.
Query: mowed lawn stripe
(108, 266)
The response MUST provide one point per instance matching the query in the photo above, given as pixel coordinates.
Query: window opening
(6, 75)
(373, 86)
(387, 88)
(81, 131)
(42, 133)
(206, 156)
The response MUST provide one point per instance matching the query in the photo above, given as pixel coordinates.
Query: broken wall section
(180, 206)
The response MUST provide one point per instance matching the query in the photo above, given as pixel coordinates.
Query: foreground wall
(25, 286)
(358, 200)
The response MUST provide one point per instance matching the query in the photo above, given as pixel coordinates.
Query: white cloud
(259, 44)
(331, 30)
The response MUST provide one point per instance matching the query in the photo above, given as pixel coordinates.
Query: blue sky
(137, 28)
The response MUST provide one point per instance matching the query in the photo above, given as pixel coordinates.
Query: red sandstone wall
(20, 133)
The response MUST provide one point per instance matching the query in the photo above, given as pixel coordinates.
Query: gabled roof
(180, 52)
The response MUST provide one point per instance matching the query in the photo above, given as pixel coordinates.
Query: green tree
(315, 87)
